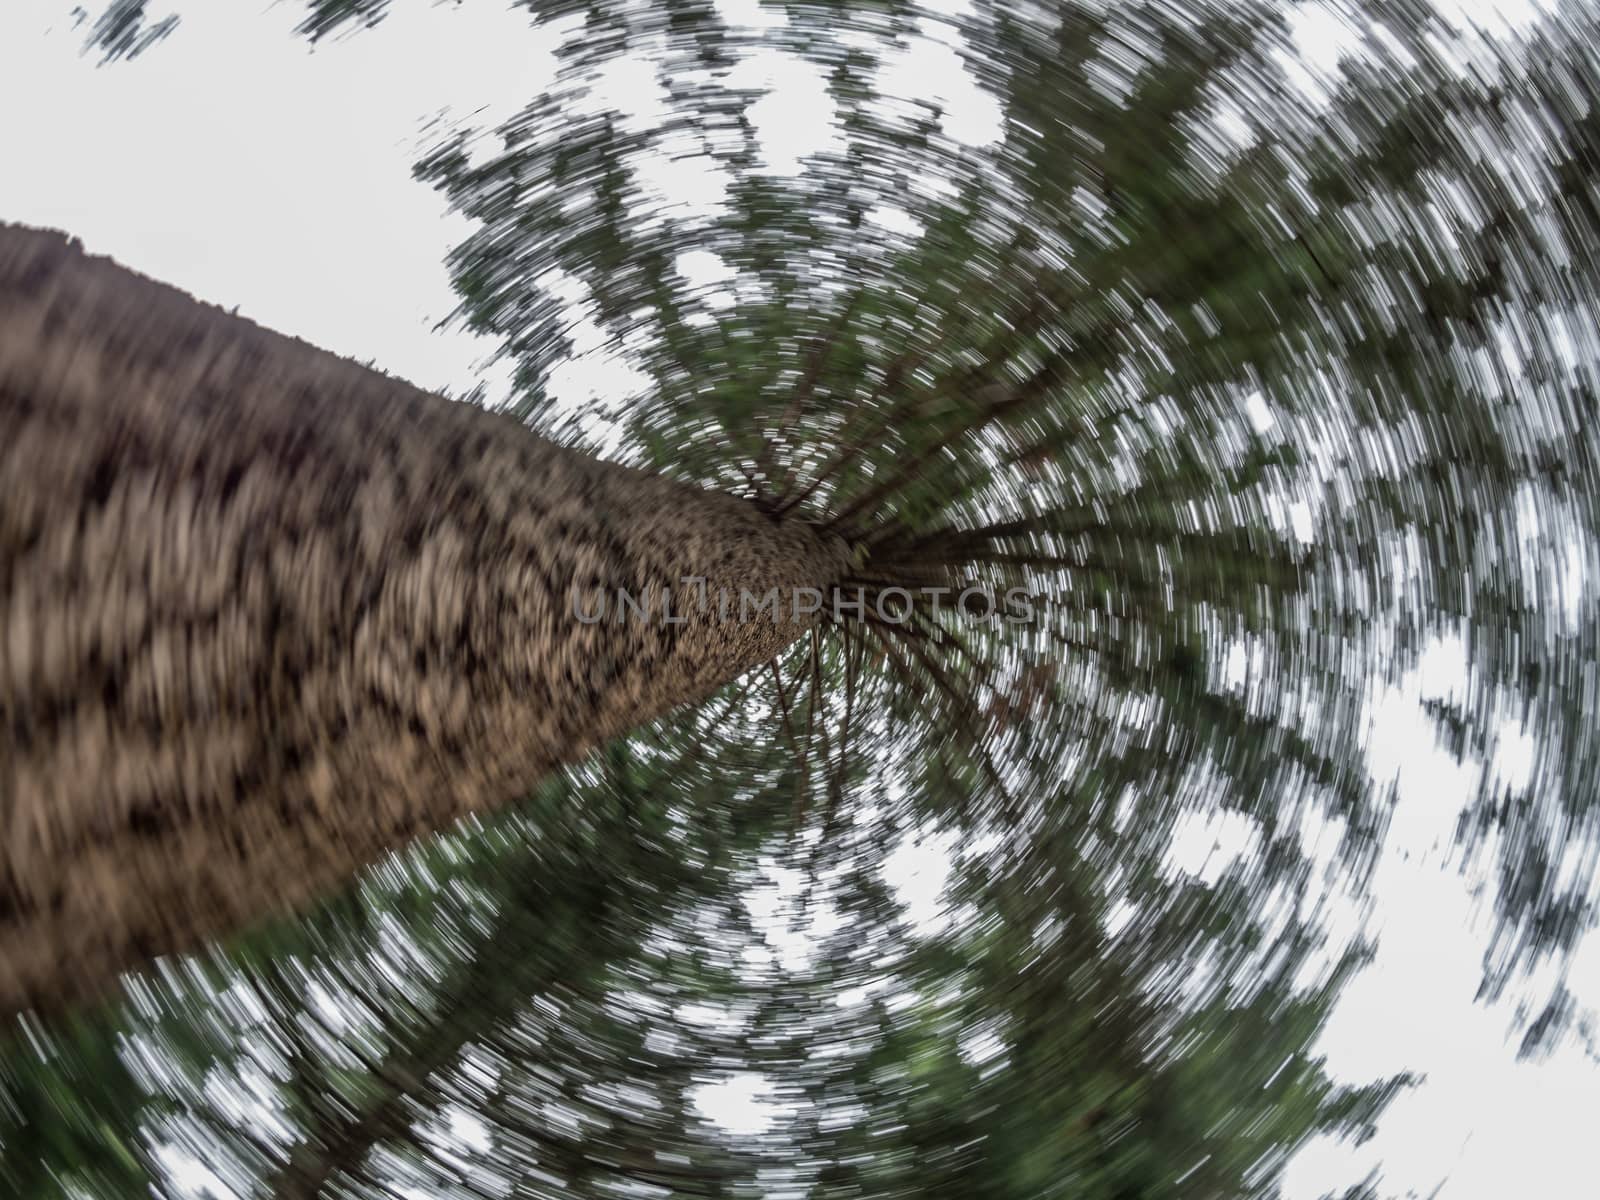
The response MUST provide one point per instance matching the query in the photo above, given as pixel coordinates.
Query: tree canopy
(1211, 390)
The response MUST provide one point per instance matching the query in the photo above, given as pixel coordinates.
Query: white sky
(238, 164)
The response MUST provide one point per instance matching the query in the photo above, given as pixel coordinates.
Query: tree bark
(267, 615)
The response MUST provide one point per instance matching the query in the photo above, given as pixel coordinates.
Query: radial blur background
(1262, 861)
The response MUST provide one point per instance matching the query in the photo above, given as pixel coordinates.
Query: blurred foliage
(1259, 379)
(124, 29)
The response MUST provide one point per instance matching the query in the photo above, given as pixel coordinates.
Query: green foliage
(124, 30)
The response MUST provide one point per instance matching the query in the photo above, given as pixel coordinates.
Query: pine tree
(1210, 405)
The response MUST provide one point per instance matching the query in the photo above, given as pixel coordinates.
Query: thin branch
(811, 721)
(897, 370)
(804, 391)
(783, 706)
(1038, 384)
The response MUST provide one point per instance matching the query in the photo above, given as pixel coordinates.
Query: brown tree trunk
(266, 615)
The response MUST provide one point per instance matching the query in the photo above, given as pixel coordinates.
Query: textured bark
(266, 614)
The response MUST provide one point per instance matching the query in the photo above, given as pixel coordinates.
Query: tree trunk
(266, 615)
